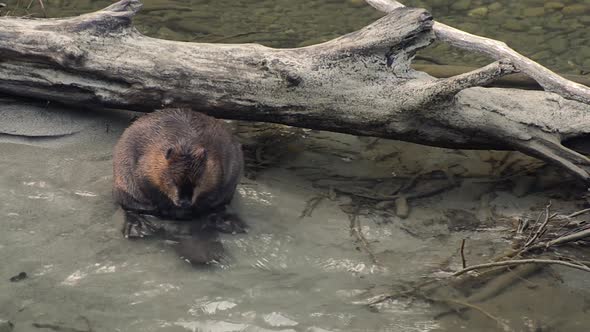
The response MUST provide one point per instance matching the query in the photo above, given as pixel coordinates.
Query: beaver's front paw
(136, 225)
(226, 223)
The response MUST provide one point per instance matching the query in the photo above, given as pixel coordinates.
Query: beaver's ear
(169, 153)
(200, 153)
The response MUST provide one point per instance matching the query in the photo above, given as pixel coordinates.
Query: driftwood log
(360, 83)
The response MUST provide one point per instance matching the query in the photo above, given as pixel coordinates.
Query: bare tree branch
(498, 50)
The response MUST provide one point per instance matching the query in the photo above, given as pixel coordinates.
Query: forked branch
(498, 50)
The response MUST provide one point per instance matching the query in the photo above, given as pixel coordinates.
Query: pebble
(470, 27)
(534, 11)
(542, 55)
(478, 12)
(554, 23)
(166, 33)
(577, 9)
(584, 51)
(537, 30)
(358, 3)
(439, 3)
(495, 6)
(533, 2)
(19, 277)
(402, 209)
(384, 205)
(190, 26)
(461, 5)
(554, 5)
(558, 45)
(515, 25)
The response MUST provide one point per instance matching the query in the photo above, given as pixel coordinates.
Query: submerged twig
(58, 327)
(542, 235)
(570, 238)
(575, 214)
(498, 321)
(355, 229)
(541, 228)
(43, 8)
(502, 281)
(311, 204)
(521, 261)
(463, 261)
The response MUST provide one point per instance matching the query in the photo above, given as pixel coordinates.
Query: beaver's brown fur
(176, 163)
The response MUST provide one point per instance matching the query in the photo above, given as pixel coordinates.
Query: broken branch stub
(360, 83)
(495, 49)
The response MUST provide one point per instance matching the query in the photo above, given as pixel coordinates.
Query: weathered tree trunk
(360, 83)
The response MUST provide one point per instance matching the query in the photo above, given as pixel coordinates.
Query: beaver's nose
(184, 203)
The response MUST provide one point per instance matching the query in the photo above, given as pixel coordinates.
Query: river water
(302, 265)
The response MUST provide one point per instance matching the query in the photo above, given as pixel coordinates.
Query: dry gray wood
(495, 49)
(360, 83)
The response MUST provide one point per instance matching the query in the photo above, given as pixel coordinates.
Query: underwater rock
(534, 12)
(577, 9)
(478, 12)
(554, 5)
(558, 45)
(515, 25)
(461, 5)
(6, 326)
(18, 277)
(402, 209)
(495, 6)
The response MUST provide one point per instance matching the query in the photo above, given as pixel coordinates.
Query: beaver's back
(170, 125)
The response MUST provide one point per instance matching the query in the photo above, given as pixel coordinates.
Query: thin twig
(569, 238)
(500, 282)
(498, 321)
(355, 229)
(521, 261)
(463, 261)
(575, 214)
(43, 8)
(311, 204)
(541, 228)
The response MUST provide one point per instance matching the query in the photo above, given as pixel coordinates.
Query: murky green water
(290, 272)
(555, 33)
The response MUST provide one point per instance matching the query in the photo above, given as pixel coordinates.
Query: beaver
(177, 164)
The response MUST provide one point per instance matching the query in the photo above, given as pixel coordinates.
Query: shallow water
(289, 273)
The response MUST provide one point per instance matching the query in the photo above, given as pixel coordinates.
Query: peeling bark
(360, 83)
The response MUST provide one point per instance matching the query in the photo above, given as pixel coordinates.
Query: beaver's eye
(169, 153)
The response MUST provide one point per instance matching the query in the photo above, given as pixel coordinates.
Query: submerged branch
(519, 262)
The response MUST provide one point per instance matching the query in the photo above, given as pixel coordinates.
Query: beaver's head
(188, 171)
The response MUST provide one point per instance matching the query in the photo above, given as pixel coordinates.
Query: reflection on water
(307, 197)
